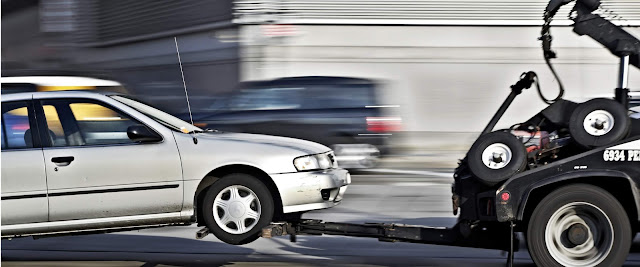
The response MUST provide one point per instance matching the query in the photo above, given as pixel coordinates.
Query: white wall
(446, 78)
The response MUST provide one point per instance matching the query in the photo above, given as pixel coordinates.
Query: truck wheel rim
(236, 209)
(598, 122)
(597, 244)
(497, 156)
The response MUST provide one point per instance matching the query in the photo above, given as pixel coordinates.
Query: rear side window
(85, 122)
(340, 96)
(16, 130)
(266, 99)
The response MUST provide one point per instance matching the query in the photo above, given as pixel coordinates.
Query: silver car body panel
(83, 199)
(90, 224)
(112, 181)
(24, 187)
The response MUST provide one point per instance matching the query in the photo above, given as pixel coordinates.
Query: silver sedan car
(81, 162)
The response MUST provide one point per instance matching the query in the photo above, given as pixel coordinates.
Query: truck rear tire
(579, 225)
(496, 156)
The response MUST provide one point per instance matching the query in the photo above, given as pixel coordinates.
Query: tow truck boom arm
(617, 40)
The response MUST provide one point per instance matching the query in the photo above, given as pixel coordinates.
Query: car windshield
(158, 115)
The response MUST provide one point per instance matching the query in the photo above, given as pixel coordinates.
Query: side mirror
(140, 133)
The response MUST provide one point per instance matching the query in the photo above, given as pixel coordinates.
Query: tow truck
(567, 178)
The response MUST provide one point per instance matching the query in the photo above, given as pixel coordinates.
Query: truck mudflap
(490, 236)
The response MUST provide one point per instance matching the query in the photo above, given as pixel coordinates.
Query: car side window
(267, 99)
(340, 96)
(16, 130)
(85, 122)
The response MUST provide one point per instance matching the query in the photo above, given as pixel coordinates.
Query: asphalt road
(408, 199)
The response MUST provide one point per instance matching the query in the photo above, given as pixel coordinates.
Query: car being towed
(88, 162)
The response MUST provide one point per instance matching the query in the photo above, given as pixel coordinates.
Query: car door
(95, 171)
(24, 184)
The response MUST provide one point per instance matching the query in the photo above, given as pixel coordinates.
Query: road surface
(418, 199)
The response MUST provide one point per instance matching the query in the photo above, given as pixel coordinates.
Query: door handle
(62, 161)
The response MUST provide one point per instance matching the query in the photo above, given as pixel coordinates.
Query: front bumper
(303, 191)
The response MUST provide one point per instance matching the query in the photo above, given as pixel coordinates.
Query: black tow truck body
(615, 168)
(490, 214)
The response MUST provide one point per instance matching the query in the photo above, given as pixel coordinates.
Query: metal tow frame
(463, 234)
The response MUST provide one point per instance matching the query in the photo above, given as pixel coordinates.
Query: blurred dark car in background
(339, 112)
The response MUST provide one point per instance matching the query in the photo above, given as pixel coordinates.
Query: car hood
(270, 154)
(304, 146)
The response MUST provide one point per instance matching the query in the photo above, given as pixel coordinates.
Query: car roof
(305, 80)
(59, 81)
(56, 94)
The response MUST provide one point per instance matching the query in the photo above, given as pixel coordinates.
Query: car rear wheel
(237, 207)
(579, 225)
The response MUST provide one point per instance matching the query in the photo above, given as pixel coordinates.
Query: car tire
(599, 122)
(490, 169)
(237, 207)
(584, 210)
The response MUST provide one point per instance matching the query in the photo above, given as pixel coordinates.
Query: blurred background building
(446, 65)
(131, 42)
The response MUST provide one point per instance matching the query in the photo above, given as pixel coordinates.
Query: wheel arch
(618, 184)
(222, 171)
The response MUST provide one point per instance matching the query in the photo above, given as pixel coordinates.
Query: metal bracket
(511, 252)
(202, 233)
(481, 237)
(274, 229)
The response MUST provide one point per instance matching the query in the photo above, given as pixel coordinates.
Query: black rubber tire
(266, 204)
(620, 130)
(579, 193)
(490, 176)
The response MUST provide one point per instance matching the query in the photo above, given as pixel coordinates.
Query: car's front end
(317, 184)
(305, 174)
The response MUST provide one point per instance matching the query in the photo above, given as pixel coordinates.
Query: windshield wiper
(208, 130)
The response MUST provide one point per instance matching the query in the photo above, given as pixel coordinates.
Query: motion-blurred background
(412, 77)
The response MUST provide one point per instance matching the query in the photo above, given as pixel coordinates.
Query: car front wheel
(237, 207)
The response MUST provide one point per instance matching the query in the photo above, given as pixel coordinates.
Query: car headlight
(315, 162)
